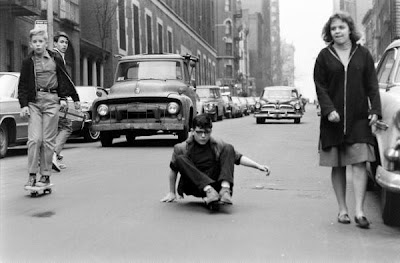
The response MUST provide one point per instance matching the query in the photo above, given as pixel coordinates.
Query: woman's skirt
(341, 156)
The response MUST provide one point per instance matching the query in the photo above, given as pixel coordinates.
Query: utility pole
(50, 23)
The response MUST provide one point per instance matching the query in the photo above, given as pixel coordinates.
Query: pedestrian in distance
(348, 95)
(206, 166)
(43, 86)
(61, 41)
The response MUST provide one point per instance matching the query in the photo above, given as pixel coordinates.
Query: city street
(105, 207)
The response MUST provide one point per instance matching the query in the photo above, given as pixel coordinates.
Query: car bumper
(138, 126)
(277, 115)
(388, 180)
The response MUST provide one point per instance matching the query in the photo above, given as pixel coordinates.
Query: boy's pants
(193, 181)
(64, 131)
(42, 131)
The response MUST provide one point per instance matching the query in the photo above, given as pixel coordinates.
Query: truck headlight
(297, 106)
(102, 110)
(173, 108)
(258, 105)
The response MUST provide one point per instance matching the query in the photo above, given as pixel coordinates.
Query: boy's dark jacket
(27, 81)
(352, 102)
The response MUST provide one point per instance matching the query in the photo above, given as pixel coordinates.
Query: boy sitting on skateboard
(206, 165)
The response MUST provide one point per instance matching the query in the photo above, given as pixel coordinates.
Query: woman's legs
(360, 187)
(339, 186)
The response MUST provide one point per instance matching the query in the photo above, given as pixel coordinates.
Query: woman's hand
(264, 168)
(334, 116)
(25, 112)
(373, 118)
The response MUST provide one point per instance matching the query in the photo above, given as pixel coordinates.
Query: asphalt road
(105, 206)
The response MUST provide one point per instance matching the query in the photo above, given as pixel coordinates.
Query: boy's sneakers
(225, 195)
(44, 181)
(56, 165)
(31, 181)
(211, 196)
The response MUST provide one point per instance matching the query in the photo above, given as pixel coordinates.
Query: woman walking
(348, 93)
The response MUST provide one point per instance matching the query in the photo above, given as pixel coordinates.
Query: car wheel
(260, 120)
(106, 139)
(183, 135)
(390, 208)
(130, 138)
(297, 120)
(90, 136)
(3, 141)
(220, 117)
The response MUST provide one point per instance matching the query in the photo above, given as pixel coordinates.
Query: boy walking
(206, 165)
(43, 86)
(61, 41)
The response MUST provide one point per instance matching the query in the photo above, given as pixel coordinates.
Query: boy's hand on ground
(77, 105)
(170, 197)
(264, 168)
(63, 104)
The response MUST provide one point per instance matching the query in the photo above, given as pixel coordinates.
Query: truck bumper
(388, 180)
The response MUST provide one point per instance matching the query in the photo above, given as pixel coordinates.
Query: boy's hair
(60, 34)
(37, 31)
(203, 121)
(345, 17)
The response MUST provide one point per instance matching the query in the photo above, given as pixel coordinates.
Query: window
(228, 71)
(148, 34)
(24, 51)
(136, 32)
(160, 38)
(170, 41)
(228, 28)
(121, 18)
(228, 5)
(228, 49)
(10, 55)
(386, 67)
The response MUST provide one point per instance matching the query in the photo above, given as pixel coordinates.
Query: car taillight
(102, 110)
(173, 108)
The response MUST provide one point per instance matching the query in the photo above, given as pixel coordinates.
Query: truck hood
(146, 88)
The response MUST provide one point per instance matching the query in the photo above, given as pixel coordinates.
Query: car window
(397, 74)
(86, 93)
(135, 70)
(203, 93)
(386, 66)
(8, 85)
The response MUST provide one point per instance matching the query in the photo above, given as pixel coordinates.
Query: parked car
(251, 102)
(278, 102)
(387, 172)
(13, 128)
(152, 94)
(245, 104)
(87, 94)
(211, 101)
(238, 103)
(232, 110)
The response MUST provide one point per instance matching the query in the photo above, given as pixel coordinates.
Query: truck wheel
(183, 135)
(297, 120)
(260, 120)
(215, 117)
(390, 208)
(106, 139)
(90, 136)
(3, 140)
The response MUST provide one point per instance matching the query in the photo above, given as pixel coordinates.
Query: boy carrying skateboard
(206, 165)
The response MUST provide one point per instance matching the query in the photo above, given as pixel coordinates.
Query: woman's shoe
(362, 221)
(343, 218)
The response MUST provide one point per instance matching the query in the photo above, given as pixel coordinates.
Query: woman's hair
(203, 121)
(35, 32)
(345, 17)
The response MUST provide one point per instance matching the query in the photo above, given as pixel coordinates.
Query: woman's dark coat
(348, 94)
(27, 81)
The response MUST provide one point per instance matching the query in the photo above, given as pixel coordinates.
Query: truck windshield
(139, 70)
(277, 94)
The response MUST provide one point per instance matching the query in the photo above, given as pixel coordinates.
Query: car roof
(207, 87)
(11, 73)
(394, 44)
(152, 56)
(280, 88)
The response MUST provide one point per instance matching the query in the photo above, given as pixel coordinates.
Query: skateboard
(36, 190)
(216, 205)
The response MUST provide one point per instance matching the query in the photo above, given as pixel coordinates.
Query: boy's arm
(246, 161)
(171, 196)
